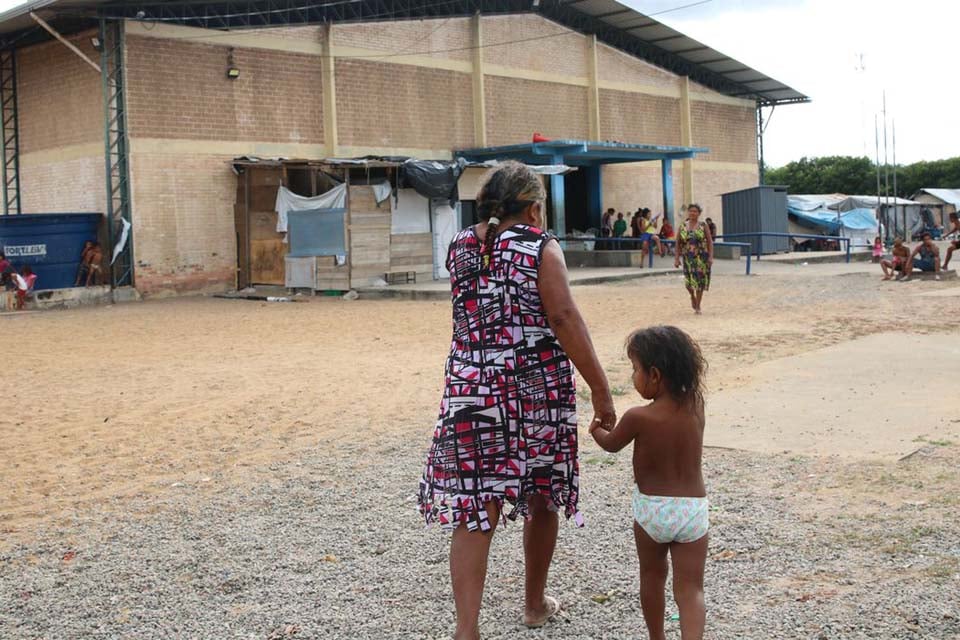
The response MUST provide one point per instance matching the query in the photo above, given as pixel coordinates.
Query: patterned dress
(507, 426)
(696, 256)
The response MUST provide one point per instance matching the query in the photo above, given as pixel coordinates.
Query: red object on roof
(537, 137)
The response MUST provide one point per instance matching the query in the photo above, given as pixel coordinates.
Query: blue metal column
(595, 194)
(666, 173)
(557, 201)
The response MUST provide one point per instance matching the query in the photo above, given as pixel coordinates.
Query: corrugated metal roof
(950, 196)
(613, 23)
(704, 62)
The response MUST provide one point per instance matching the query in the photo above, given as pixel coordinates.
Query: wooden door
(267, 249)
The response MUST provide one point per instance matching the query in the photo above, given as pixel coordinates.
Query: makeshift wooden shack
(378, 232)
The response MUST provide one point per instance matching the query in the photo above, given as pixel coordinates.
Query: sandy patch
(871, 397)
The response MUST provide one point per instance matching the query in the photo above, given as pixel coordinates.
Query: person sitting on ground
(711, 225)
(95, 266)
(955, 243)
(671, 514)
(84, 267)
(926, 257)
(25, 280)
(898, 262)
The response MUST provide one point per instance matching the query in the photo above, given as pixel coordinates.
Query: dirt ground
(208, 468)
(118, 401)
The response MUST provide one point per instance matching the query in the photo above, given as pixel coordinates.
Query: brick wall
(533, 43)
(616, 66)
(450, 38)
(518, 108)
(627, 187)
(711, 184)
(74, 185)
(59, 96)
(729, 131)
(395, 105)
(639, 118)
(184, 232)
(60, 110)
(178, 89)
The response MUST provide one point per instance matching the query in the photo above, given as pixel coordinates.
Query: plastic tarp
(434, 179)
(854, 220)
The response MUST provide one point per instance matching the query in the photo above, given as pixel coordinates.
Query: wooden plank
(263, 198)
(266, 261)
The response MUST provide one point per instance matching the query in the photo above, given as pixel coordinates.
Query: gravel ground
(330, 546)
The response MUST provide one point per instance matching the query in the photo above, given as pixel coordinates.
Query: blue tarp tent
(830, 222)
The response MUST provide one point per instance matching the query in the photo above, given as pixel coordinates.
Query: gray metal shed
(758, 209)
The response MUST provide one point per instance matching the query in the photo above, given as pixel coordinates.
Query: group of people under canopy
(924, 257)
(643, 227)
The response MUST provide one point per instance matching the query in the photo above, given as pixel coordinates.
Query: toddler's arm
(620, 436)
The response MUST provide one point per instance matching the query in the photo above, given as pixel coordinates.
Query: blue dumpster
(51, 243)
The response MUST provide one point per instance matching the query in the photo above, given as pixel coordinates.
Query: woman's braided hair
(509, 189)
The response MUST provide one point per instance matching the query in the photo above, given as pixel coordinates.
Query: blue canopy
(854, 220)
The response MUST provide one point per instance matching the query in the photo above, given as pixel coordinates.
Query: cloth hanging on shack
(288, 201)
(335, 198)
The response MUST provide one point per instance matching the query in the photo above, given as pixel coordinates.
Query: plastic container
(51, 243)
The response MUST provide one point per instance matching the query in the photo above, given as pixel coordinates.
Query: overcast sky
(909, 48)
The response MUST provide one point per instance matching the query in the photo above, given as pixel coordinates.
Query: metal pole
(886, 164)
(876, 138)
(896, 194)
(760, 140)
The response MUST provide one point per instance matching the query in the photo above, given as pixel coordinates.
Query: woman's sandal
(553, 608)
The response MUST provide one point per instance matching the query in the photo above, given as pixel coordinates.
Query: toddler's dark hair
(676, 356)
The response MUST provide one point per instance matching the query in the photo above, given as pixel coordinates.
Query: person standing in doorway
(695, 250)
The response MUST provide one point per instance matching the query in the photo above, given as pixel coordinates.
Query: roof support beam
(479, 87)
(64, 41)
(686, 138)
(593, 89)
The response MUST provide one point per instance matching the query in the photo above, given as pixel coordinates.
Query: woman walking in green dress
(695, 249)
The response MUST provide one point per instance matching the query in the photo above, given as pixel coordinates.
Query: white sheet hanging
(288, 201)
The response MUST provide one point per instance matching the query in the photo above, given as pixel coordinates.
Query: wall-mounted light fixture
(95, 42)
(232, 71)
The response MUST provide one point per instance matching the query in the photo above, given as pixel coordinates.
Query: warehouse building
(141, 111)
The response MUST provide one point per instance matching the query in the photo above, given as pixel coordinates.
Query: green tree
(832, 174)
(858, 176)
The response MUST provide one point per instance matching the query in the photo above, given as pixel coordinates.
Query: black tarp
(434, 179)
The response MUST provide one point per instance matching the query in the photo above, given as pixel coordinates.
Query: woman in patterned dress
(695, 249)
(507, 431)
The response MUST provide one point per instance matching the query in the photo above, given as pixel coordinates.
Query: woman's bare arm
(567, 323)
